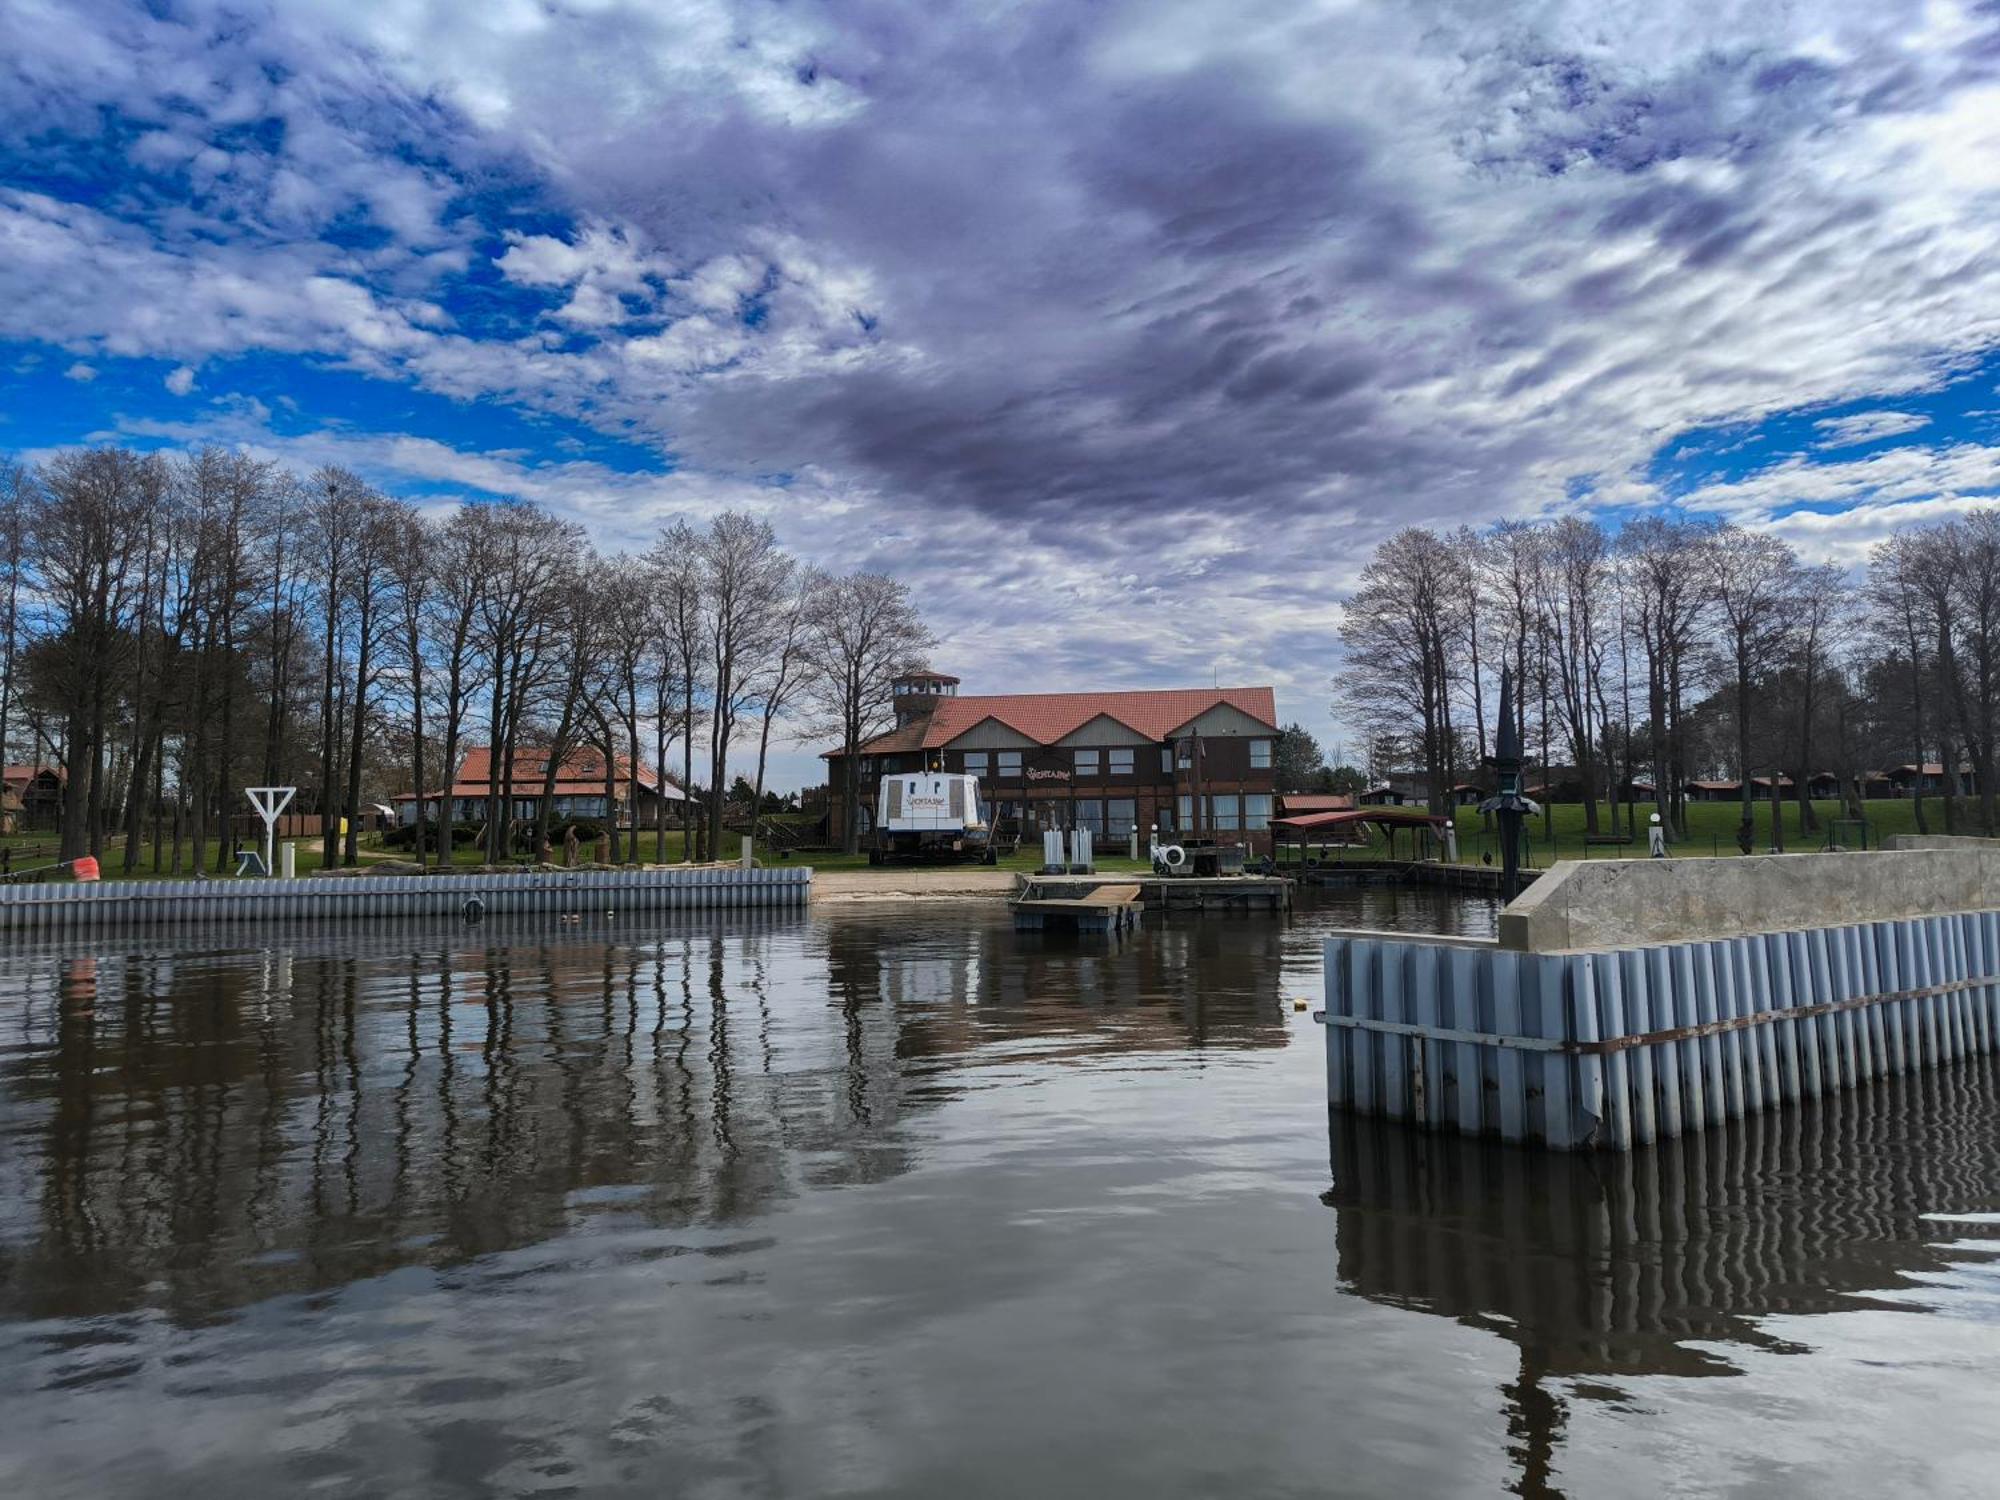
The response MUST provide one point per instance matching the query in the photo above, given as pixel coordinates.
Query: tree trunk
(496, 817)
(329, 729)
(610, 784)
(1743, 733)
(358, 736)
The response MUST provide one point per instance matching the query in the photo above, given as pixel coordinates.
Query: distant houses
(578, 791)
(32, 796)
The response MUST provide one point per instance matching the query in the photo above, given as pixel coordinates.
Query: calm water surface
(893, 1201)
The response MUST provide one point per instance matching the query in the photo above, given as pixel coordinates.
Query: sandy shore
(839, 887)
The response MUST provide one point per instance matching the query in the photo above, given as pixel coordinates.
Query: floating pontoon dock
(1632, 1000)
(1173, 892)
(153, 903)
(1102, 908)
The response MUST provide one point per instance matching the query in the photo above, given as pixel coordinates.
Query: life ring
(1173, 856)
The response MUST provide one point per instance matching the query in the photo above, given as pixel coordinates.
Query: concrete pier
(1630, 1001)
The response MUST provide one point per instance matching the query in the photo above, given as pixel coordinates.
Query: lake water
(895, 1201)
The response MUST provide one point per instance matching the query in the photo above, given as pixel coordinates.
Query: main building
(1195, 762)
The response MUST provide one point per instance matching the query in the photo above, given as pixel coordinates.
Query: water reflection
(1603, 1269)
(193, 1128)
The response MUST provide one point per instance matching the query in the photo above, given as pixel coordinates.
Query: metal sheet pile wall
(113, 905)
(1616, 1048)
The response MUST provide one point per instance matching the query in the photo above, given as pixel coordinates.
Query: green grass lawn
(31, 850)
(1711, 830)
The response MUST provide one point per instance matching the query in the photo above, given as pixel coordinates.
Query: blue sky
(1121, 331)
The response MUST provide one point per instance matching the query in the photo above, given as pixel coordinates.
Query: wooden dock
(1483, 880)
(1271, 893)
(1101, 908)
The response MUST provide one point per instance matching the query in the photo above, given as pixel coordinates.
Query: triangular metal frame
(270, 802)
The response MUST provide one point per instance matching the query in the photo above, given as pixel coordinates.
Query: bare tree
(1898, 614)
(1668, 579)
(1399, 628)
(1751, 578)
(675, 567)
(785, 673)
(1574, 587)
(1818, 619)
(370, 580)
(1512, 561)
(412, 565)
(88, 525)
(574, 630)
(16, 493)
(1932, 561)
(336, 520)
(743, 578)
(624, 600)
(462, 557)
(1975, 590)
(529, 552)
(865, 633)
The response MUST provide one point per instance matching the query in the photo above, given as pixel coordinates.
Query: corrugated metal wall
(1616, 1048)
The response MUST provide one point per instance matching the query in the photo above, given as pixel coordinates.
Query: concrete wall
(1897, 841)
(1632, 902)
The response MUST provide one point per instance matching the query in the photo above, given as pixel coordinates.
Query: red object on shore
(84, 868)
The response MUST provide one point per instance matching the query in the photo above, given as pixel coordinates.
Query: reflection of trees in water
(1602, 1266)
(202, 1127)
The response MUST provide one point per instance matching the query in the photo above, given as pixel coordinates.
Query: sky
(1120, 331)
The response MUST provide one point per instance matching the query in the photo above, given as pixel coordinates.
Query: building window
(1256, 811)
(1121, 762)
(867, 765)
(1167, 759)
(1120, 813)
(1225, 813)
(1260, 755)
(1090, 814)
(1163, 818)
(1184, 806)
(1184, 756)
(975, 762)
(1008, 762)
(1086, 762)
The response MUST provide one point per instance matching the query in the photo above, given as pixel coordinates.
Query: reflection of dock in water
(1691, 1243)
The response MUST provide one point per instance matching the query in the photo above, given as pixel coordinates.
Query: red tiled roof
(1047, 718)
(582, 770)
(21, 775)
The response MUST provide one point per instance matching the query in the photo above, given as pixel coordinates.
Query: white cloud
(1867, 427)
(180, 380)
(81, 372)
(1093, 322)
